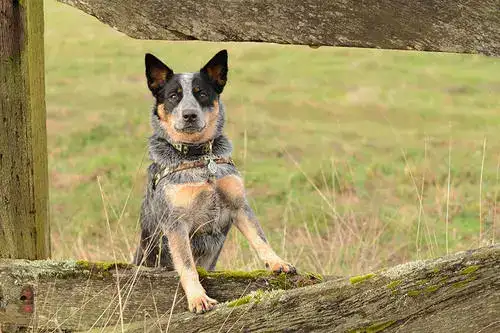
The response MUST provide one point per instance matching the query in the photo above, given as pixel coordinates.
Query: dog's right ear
(216, 70)
(157, 73)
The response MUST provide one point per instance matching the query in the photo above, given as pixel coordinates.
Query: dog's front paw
(201, 303)
(281, 267)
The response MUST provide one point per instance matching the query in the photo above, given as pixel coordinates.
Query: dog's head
(188, 108)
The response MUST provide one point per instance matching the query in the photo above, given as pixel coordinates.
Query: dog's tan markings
(207, 134)
(254, 234)
(232, 186)
(162, 114)
(281, 267)
(184, 195)
(159, 76)
(182, 257)
(215, 74)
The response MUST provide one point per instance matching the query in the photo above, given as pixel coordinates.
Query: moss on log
(457, 293)
(465, 26)
(79, 295)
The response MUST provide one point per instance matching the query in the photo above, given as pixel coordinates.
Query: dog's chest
(207, 206)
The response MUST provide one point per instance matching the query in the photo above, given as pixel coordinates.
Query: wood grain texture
(459, 293)
(77, 296)
(465, 26)
(24, 227)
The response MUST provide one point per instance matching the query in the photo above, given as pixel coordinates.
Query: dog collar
(209, 161)
(194, 149)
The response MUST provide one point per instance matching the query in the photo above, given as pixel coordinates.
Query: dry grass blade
(114, 255)
(232, 310)
(481, 195)
(495, 208)
(448, 198)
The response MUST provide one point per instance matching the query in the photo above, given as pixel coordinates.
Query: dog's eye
(173, 97)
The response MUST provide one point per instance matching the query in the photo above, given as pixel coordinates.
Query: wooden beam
(459, 293)
(465, 26)
(24, 227)
(78, 296)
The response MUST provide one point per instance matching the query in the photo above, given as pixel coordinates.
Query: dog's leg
(138, 256)
(147, 252)
(182, 257)
(249, 226)
(207, 248)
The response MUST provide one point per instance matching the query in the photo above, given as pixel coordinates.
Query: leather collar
(194, 149)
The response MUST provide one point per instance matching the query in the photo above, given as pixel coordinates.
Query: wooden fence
(467, 26)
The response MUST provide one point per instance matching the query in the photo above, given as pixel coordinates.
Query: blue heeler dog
(194, 192)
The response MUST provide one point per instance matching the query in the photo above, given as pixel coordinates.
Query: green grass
(337, 146)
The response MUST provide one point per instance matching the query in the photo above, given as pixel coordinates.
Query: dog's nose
(189, 116)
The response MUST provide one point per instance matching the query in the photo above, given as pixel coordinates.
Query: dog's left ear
(157, 73)
(216, 71)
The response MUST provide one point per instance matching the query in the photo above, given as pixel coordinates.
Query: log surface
(465, 26)
(459, 293)
(77, 296)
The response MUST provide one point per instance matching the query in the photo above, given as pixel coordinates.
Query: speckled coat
(187, 214)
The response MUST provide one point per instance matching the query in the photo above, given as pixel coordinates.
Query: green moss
(254, 297)
(374, 328)
(469, 270)
(443, 280)
(422, 282)
(83, 264)
(460, 284)
(280, 281)
(432, 289)
(394, 284)
(102, 265)
(103, 268)
(240, 301)
(203, 273)
(314, 276)
(361, 278)
(414, 293)
(463, 283)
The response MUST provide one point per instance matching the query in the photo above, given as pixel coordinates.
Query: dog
(194, 192)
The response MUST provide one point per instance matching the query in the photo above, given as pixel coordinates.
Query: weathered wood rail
(465, 26)
(458, 293)
(76, 296)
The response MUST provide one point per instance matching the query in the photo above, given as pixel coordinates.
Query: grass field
(354, 159)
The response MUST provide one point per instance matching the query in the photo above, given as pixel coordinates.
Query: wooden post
(24, 225)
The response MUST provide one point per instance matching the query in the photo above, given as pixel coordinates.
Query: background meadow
(354, 159)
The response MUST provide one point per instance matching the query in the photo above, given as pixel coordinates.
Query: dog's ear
(157, 73)
(216, 71)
